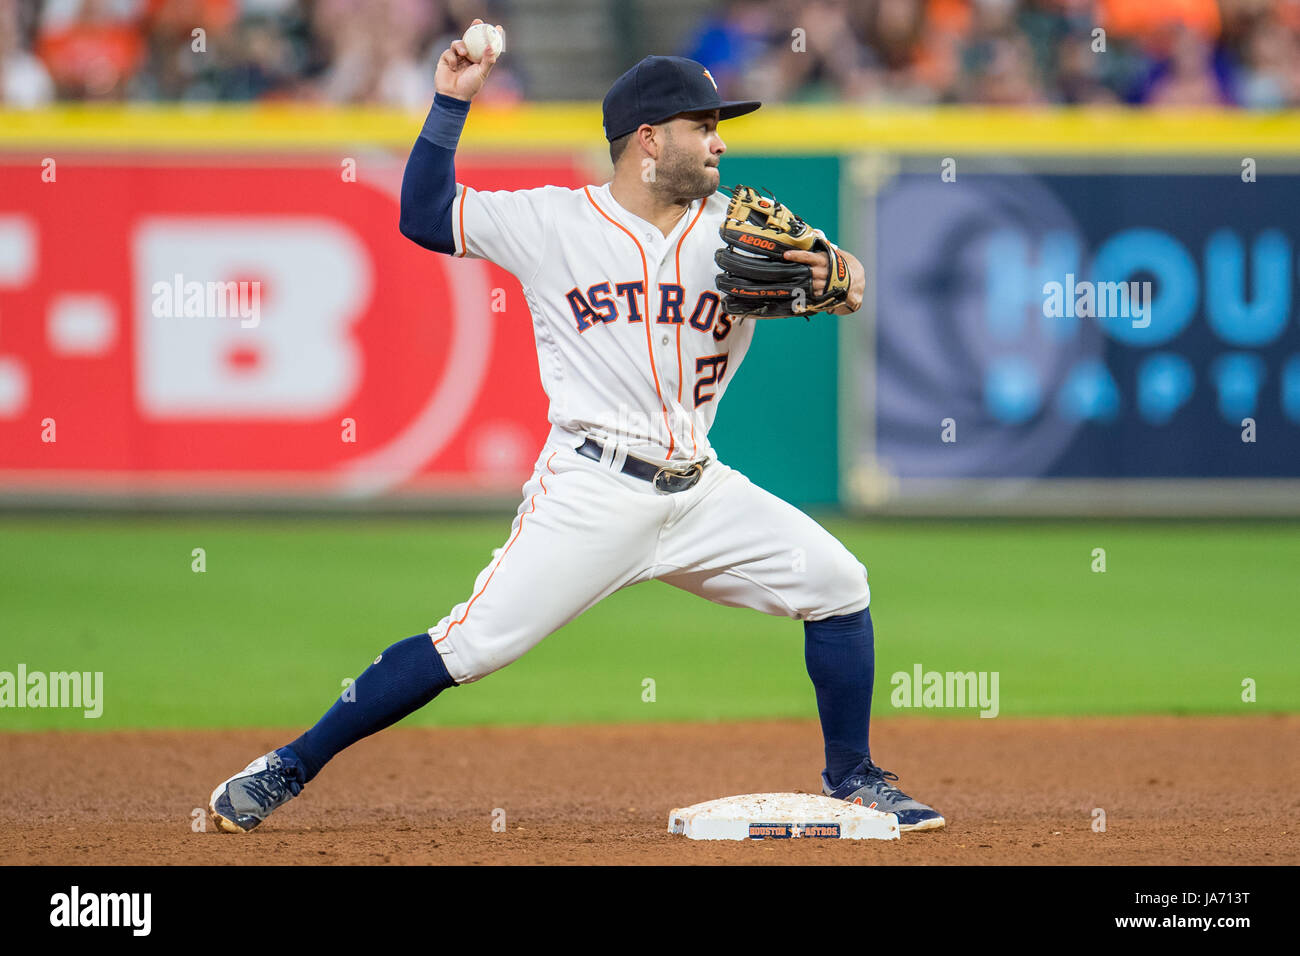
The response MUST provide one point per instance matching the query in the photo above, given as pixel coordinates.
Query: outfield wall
(381, 373)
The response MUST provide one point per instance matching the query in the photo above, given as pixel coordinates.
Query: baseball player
(636, 348)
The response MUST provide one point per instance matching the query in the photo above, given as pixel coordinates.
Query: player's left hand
(820, 264)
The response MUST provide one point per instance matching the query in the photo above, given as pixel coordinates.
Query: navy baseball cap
(660, 87)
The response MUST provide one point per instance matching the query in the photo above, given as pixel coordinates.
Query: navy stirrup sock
(402, 679)
(840, 653)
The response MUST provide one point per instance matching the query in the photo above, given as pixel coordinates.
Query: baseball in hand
(479, 37)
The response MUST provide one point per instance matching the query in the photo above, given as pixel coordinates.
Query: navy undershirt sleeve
(429, 182)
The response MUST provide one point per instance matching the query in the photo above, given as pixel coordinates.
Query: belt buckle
(690, 475)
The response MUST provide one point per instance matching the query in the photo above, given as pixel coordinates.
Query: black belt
(666, 481)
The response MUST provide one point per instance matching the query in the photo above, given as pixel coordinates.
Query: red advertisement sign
(251, 323)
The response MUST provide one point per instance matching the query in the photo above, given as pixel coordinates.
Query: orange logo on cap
(711, 79)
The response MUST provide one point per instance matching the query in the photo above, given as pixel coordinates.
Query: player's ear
(650, 138)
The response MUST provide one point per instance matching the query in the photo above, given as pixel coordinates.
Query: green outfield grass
(289, 608)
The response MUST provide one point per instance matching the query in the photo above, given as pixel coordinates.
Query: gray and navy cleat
(869, 786)
(246, 799)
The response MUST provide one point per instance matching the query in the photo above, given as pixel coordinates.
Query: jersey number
(710, 368)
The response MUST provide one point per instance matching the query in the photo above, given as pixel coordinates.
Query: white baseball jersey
(634, 350)
(633, 344)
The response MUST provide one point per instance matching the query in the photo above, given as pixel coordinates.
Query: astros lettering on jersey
(633, 345)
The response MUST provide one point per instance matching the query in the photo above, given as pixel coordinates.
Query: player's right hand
(459, 76)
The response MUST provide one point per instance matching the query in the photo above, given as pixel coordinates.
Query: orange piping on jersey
(679, 370)
(694, 446)
(464, 194)
(532, 506)
(645, 268)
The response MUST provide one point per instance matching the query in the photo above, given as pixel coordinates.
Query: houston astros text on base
(635, 354)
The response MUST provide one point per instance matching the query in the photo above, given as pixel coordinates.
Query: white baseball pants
(585, 530)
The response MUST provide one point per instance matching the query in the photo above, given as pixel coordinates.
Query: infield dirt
(1201, 790)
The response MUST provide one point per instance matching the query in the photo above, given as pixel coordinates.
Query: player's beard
(682, 177)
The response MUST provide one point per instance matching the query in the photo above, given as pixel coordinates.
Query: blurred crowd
(1242, 53)
(334, 51)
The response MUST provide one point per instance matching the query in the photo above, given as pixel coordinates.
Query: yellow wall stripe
(772, 130)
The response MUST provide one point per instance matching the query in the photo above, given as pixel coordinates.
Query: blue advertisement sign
(1081, 325)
